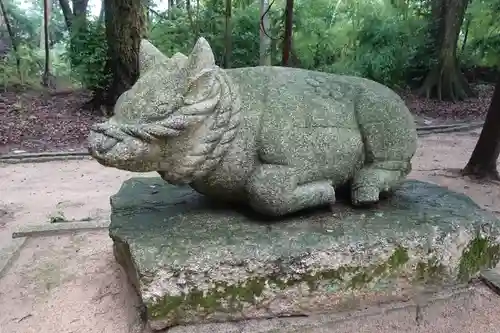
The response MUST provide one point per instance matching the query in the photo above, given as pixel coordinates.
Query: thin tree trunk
(101, 14)
(483, 161)
(265, 41)
(445, 81)
(287, 42)
(79, 12)
(76, 22)
(46, 15)
(12, 39)
(228, 35)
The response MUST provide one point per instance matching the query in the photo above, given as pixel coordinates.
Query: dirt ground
(71, 283)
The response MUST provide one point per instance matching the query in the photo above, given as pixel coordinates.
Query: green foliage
(26, 22)
(483, 44)
(389, 50)
(87, 53)
(29, 72)
(385, 40)
(371, 39)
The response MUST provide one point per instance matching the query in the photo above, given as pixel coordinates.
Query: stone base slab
(195, 261)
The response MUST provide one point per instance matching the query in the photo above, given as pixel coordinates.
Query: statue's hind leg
(278, 190)
(388, 161)
(377, 178)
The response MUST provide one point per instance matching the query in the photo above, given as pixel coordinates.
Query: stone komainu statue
(280, 139)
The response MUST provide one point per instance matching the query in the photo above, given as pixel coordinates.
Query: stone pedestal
(193, 260)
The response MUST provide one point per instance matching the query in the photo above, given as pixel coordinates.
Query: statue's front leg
(277, 190)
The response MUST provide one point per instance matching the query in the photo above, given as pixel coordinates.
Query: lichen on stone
(347, 277)
(482, 252)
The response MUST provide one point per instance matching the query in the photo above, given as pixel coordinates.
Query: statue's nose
(100, 143)
(105, 145)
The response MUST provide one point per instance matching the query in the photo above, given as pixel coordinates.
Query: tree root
(446, 85)
(98, 102)
(477, 173)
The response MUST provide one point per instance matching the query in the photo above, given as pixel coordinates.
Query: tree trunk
(76, 22)
(445, 81)
(12, 39)
(100, 19)
(483, 161)
(67, 13)
(228, 35)
(125, 26)
(287, 41)
(46, 78)
(79, 12)
(265, 41)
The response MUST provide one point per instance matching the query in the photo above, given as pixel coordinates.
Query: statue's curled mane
(218, 113)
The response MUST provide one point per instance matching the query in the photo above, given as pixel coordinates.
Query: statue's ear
(149, 56)
(179, 59)
(202, 87)
(201, 58)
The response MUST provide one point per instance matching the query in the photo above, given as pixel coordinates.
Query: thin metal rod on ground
(59, 228)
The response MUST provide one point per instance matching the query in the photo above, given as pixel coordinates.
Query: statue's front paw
(365, 195)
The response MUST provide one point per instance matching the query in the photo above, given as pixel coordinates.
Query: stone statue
(280, 139)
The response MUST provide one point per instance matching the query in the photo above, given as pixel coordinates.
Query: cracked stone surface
(193, 260)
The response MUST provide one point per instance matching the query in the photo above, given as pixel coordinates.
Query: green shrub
(30, 69)
(87, 53)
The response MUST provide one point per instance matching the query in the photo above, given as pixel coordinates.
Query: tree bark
(445, 80)
(12, 39)
(46, 78)
(287, 41)
(483, 161)
(67, 13)
(79, 12)
(125, 27)
(265, 41)
(100, 19)
(76, 21)
(228, 35)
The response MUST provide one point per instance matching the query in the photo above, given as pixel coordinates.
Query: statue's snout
(100, 140)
